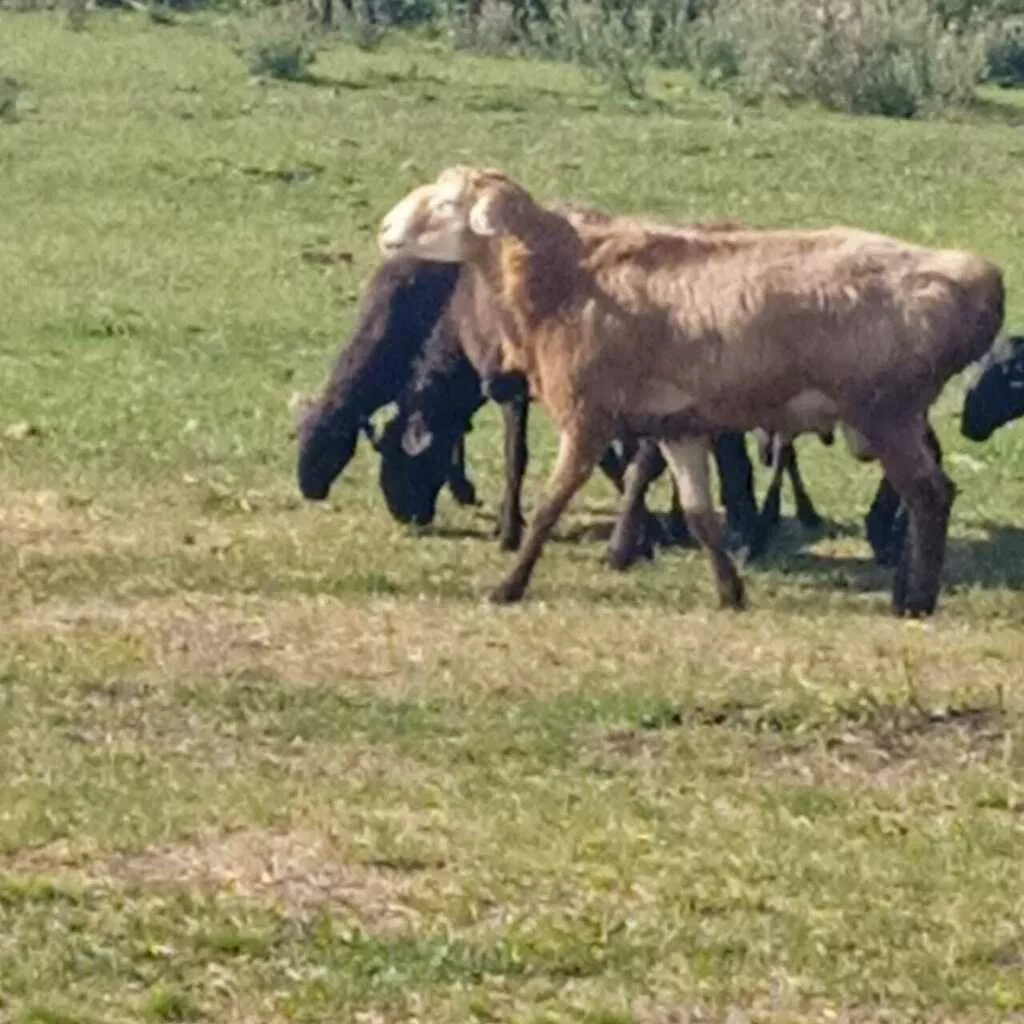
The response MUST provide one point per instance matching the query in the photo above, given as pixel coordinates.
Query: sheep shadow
(992, 562)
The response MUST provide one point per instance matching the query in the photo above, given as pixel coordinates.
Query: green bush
(493, 31)
(895, 58)
(277, 43)
(1004, 56)
(613, 50)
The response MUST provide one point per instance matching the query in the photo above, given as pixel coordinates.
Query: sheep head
(447, 220)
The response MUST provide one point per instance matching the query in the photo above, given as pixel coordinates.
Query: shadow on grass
(992, 111)
(995, 562)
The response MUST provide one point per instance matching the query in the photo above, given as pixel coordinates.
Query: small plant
(77, 14)
(9, 93)
(606, 47)
(494, 30)
(278, 46)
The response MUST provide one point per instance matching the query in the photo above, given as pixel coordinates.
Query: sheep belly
(664, 409)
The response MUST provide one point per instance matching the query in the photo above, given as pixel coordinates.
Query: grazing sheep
(402, 306)
(680, 335)
(402, 303)
(995, 396)
(438, 406)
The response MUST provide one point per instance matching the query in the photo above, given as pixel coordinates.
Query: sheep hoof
(732, 594)
(463, 492)
(510, 534)
(508, 592)
(916, 606)
(620, 558)
(510, 540)
(809, 519)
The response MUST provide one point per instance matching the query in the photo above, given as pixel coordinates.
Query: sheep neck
(532, 273)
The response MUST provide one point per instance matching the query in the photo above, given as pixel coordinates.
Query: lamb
(681, 335)
(995, 396)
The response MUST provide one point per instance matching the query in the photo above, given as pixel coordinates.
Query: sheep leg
(771, 511)
(632, 536)
(458, 483)
(515, 414)
(928, 494)
(886, 521)
(678, 531)
(880, 523)
(736, 484)
(688, 460)
(578, 453)
(806, 513)
(613, 467)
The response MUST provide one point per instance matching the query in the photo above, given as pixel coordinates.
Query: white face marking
(417, 437)
(427, 223)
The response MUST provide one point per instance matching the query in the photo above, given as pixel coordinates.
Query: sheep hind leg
(928, 494)
(516, 416)
(886, 521)
(688, 459)
(578, 454)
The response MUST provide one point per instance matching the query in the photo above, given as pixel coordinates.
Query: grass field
(264, 761)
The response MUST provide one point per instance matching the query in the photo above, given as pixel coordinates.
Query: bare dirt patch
(297, 873)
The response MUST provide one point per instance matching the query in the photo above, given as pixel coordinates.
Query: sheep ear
(417, 437)
(300, 406)
(482, 219)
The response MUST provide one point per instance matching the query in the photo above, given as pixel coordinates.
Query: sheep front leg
(515, 414)
(928, 494)
(631, 537)
(688, 459)
(458, 483)
(578, 455)
(806, 513)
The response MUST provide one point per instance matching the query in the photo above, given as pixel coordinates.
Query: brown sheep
(682, 334)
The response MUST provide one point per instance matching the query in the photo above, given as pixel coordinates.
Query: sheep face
(997, 394)
(327, 443)
(445, 220)
(413, 467)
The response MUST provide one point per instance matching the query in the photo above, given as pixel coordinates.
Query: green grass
(264, 761)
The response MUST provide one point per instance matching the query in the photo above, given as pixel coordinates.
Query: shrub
(896, 58)
(277, 44)
(494, 31)
(614, 50)
(1004, 54)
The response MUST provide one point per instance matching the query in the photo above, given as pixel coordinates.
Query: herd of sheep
(653, 345)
